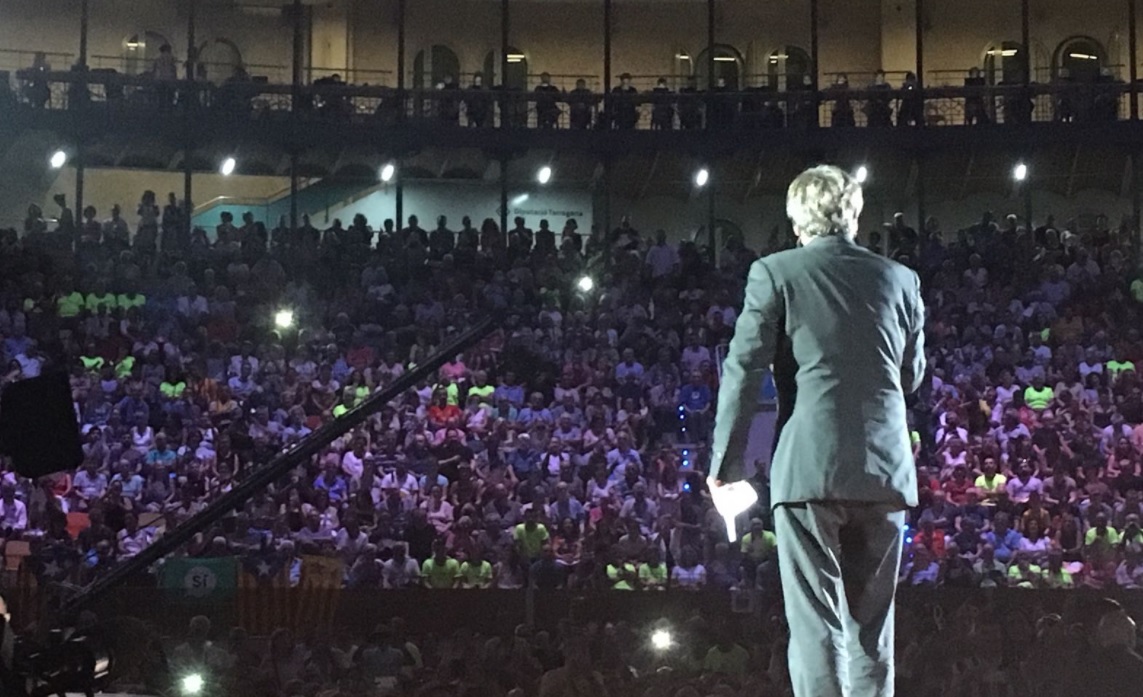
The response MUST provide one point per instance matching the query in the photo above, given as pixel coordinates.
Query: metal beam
(919, 28)
(607, 20)
(1072, 171)
(84, 22)
(1026, 39)
(814, 41)
(1133, 56)
(274, 470)
(710, 63)
(192, 45)
(967, 173)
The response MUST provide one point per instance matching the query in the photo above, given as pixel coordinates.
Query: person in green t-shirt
(70, 302)
(100, 297)
(476, 573)
(623, 575)
(1038, 395)
(1055, 575)
(1114, 367)
(653, 573)
(530, 535)
(990, 482)
(1100, 533)
(1023, 573)
(440, 570)
(481, 388)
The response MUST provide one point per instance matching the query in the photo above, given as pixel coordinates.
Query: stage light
(192, 684)
(662, 640)
(228, 167)
(59, 159)
(387, 172)
(702, 177)
(1020, 172)
(861, 174)
(585, 284)
(284, 319)
(544, 175)
(520, 199)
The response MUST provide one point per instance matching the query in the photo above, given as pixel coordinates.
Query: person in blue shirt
(510, 390)
(1004, 540)
(526, 459)
(695, 399)
(536, 411)
(161, 454)
(331, 482)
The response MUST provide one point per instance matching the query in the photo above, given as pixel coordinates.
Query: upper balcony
(83, 104)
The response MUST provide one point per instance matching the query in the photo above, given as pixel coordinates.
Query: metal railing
(757, 108)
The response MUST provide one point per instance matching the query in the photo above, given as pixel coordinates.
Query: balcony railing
(756, 109)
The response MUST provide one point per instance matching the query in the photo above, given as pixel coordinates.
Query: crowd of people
(978, 646)
(568, 449)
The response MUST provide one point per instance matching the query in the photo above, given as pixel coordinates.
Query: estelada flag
(265, 599)
(319, 592)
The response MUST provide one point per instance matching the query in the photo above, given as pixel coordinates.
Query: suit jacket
(844, 330)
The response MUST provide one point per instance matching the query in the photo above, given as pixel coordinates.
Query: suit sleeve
(913, 362)
(750, 354)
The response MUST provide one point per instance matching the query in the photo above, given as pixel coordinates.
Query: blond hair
(823, 201)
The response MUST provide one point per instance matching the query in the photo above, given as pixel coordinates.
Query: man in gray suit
(844, 329)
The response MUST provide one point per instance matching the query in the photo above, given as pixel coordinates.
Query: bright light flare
(861, 174)
(228, 167)
(662, 640)
(702, 177)
(544, 175)
(387, 172)
(1020, 172)
(58, 160)
(192, 684)
(284, 319)
(585, 284)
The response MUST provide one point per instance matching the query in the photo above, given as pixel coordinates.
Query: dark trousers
(839, 566)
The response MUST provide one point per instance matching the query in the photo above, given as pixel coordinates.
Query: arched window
(1005, 63)
(431, 67)
(727, 65)
(517, 76)
(219, 60)
(141, 50)
(1080, 58)
(788, 67)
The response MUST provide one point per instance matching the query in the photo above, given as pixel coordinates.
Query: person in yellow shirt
(653, 573)
(990, 482)
(70, 302)
(476, 573)
(100, 297)
(758, 547)
(1055, 575)
(1038, 395)
(440, 570)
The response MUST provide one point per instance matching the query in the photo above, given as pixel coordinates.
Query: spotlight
(192, 684)
(661, 639)
(59, 159)
(1020, 172)
(228, 166)
(519, 199)
(284, 319)
(544, 175)
(585, 284)
(861, 174)
(702, 177)
(387, 172)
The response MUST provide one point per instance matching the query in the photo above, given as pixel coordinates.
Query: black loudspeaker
(38, 429)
